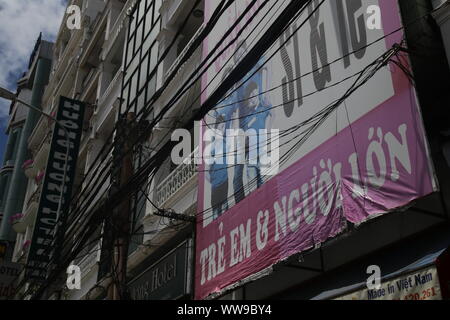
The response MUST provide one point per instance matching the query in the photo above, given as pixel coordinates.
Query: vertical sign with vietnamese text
(70, 114)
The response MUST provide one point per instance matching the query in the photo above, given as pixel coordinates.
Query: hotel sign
(167, 279)
(42, 249)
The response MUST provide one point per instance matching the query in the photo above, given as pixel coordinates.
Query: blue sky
(20, 24)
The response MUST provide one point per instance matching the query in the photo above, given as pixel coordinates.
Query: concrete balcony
(89, 262)
(112, 91)
(118, 29)
(18, 225)
(8, 168)
(22, 253)
(172, 9)
(90, 79)
(38, 134)
(177, 184)
(177, 67)
(180, 72)
(30, 169)
(63, 65)
(108, 104)
(32, 204)
(84, 141)
(41, 151)
(95, 38)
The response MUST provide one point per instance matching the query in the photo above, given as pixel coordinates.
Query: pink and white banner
(367, 158)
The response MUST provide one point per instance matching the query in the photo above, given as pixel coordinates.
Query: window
(133, 86)
(141, 9)
(142, 56)
(151, 88)
(148, 20)
(140, 101)
(138, 40)
(130, 55)
(153, 56)
(143, 72)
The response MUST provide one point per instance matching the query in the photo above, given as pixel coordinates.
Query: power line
(212, 22)
(216, 14)
(286, 13)
(103, 170)
(322, 115)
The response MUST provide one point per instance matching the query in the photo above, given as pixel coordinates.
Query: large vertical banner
(70, 114)
(366, 157)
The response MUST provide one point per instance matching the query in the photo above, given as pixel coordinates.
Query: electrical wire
(82, 241)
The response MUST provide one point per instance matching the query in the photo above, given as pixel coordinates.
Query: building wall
(111, 63)
(86, 66)
(385, 241)
(167, 192)
(20, 124)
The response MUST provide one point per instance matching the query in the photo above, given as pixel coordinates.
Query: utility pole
(121, 215)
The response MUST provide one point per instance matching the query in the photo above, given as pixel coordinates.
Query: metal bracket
(300, 258)
(173, 215)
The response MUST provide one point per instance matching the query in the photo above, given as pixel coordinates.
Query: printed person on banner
(219, 169)
(256, 123)
(259, 75)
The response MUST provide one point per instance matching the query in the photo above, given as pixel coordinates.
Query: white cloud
(20, 24)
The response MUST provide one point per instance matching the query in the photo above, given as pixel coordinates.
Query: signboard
(168, 279)
(420, 285)
(9, 273)
(364, 158)
(70, 113)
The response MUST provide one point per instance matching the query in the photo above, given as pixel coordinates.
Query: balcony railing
(90, 259)
(35, 196)
(176, 65)
(118, 26)
(10, 163)
(88, 78)
(32, 204)
(177, 179)
(41, 152)
(22, 253)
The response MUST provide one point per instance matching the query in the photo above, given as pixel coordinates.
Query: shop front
(169, 278)
(422, 284)
(423, 279)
